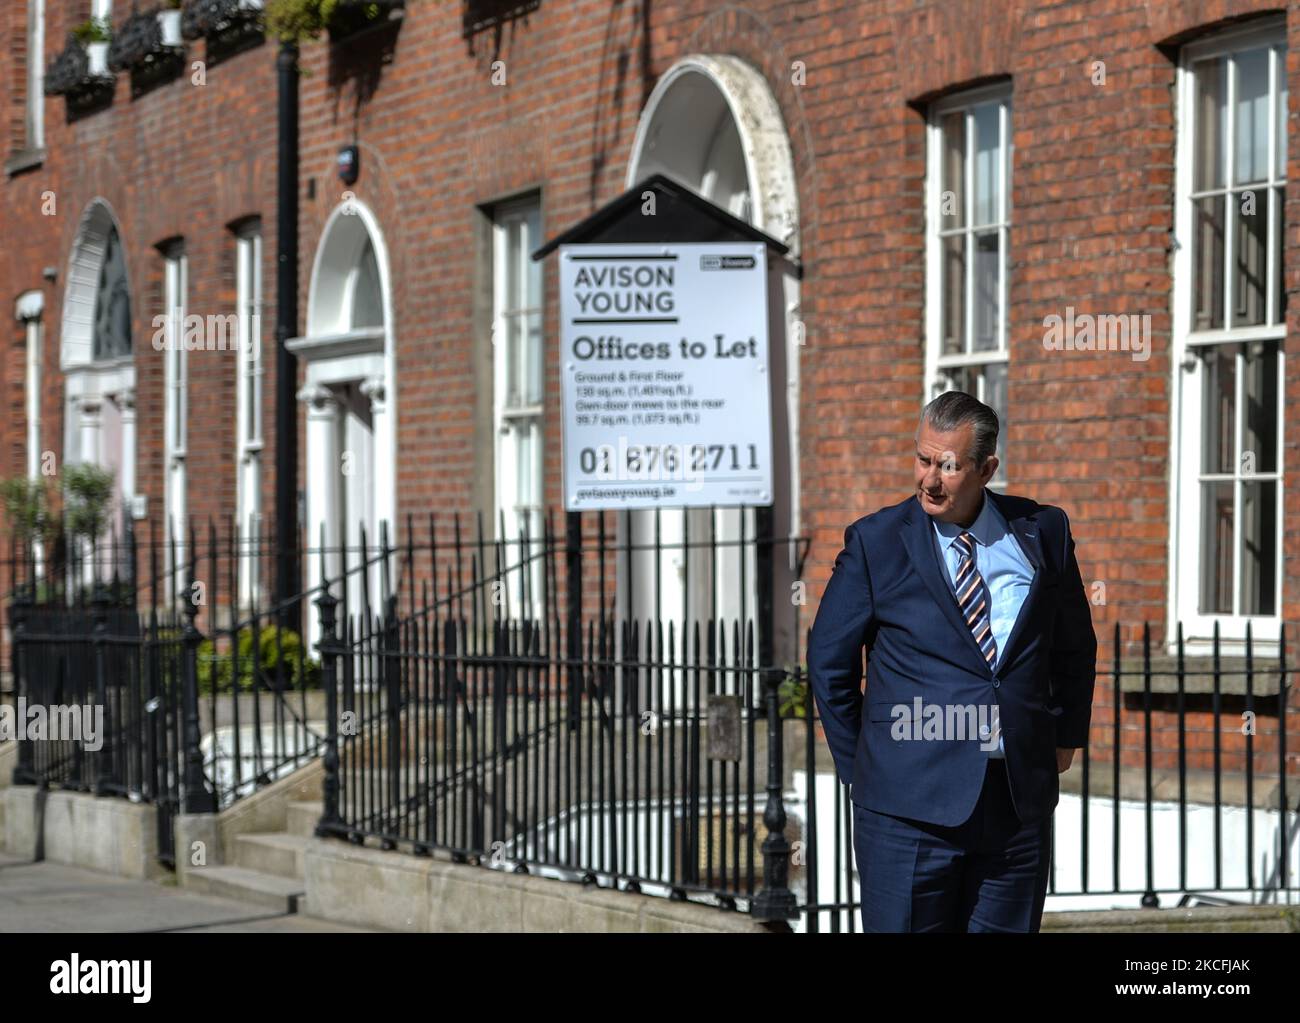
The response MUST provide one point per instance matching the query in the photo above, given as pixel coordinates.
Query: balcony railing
(484, 14)
(354, 16)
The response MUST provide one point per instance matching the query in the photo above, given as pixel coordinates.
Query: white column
(385, 454)
(322, 481)
(89, 429)
(382, 463)
(125, 401)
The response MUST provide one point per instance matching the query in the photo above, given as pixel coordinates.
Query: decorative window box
(138, 46)
(478, 15)
(352, 17)
(69, 75)
(228, 25)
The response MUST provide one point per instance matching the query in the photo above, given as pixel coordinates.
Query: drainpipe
(286, 327)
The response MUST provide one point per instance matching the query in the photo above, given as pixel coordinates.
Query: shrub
(279, 662)
(294, 21)
(93, 30)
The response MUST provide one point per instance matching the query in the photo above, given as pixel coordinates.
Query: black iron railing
(201, 689)
(1187, 791)
(505, 702)
(614, 701)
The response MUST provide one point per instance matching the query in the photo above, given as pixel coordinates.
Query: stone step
(279, 893)
(303, 818)
(1190, 919)
(277, 853)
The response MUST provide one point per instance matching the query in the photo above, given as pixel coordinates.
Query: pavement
(53, 898)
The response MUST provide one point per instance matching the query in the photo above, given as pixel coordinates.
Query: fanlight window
(112, 334)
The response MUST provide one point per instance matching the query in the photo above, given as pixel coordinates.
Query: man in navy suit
(981, 661)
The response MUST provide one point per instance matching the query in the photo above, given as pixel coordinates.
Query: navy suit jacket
(887, 597)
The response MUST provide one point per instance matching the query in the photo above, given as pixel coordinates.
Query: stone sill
(1199, 785)
(1198, 675)
(24, 160)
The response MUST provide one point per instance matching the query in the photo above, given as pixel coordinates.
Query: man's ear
(990, 467)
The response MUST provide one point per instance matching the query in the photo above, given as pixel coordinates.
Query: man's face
(948, 483)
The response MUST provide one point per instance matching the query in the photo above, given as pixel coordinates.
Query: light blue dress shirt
(1000, 562)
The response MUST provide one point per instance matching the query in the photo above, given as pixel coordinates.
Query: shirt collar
(989, 526)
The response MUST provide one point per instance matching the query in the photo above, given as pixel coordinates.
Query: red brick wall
(1092, 198)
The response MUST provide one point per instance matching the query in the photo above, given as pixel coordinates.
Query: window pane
(1216, 548)
(953, 183)
(1207, 312)
(953, 290)
(1279, 285)
(1281, 114)
(1260, 423)
(532, 326)
(1251, 118)
(1220, 388)
(511, 327)
(1211, 123)
(1258, 548)
(367, 298)
(988, 163)
(533, 238)
(112, 331)
(514, 244)
(988, 293)
(1250, 261)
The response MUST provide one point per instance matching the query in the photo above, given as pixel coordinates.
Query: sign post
(664, 375)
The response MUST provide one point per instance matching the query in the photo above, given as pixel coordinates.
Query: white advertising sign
(664, 375)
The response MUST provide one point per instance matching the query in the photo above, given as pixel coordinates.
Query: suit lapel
(918, 538)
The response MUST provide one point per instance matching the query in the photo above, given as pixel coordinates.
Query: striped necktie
(972, 601)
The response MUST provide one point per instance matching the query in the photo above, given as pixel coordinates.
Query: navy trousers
(987, 874)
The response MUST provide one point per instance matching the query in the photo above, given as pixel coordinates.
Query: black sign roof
(680, 215)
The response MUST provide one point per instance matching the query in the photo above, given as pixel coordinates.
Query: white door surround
(347, 353)
(713, 124)
(99, 392)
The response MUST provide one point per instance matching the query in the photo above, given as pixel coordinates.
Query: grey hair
(954, 409)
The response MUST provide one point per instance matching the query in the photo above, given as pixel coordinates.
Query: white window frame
(250, 372)
(508, 505)
(35, 140)
(101, 9)
(936, 362)
(1185, 549)
(175, 403)
(35, 329)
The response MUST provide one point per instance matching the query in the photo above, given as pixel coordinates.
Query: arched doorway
(96, 357)
(350, 401)
(713, 124)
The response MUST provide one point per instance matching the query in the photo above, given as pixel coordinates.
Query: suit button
(996, 684)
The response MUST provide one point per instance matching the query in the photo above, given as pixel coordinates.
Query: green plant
(93, 30)
(26, 505)
(792, 698)
(173, 5)
(294, 21)
(87, 493)
(279, 663)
